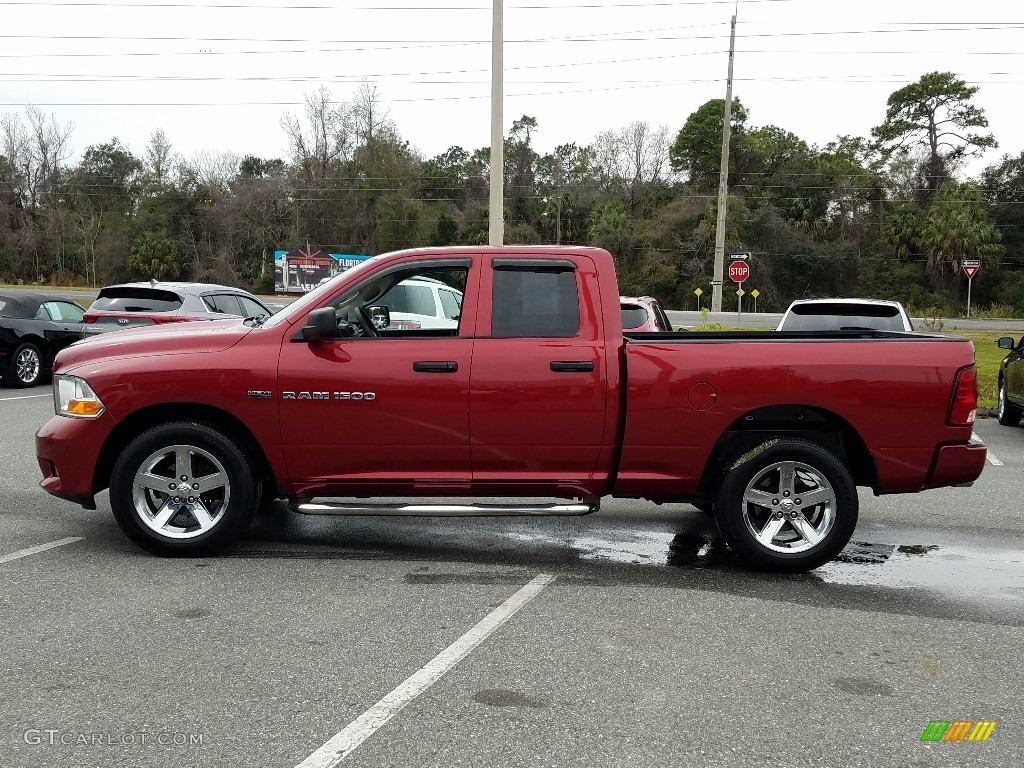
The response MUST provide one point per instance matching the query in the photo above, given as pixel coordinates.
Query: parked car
(34, 327)
(132, 305)
(1011, 382)
(643, 313)
(845, 315)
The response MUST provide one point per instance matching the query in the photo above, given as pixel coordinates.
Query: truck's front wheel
(787, 505)
(183, 489)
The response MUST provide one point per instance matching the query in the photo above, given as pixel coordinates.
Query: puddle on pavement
(961, 570)
(996, 573)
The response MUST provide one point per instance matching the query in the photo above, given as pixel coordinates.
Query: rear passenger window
(535, 302)
(251, 309)
(450, 304)
(224, 304)
(661, 318)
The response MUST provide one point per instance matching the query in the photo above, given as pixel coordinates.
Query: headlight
(73, 397)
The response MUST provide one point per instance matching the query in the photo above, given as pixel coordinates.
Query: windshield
(823, 316)
(311, 299)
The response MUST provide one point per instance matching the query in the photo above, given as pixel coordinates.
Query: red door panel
(538, 406)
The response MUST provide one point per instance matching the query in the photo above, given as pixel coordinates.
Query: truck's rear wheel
(787, 505)
(183, 489)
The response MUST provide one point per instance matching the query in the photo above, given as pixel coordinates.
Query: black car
(34, 327)
(135, 305)
(1011, 382)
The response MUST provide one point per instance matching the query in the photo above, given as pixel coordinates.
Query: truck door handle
(572, 365)
(435, 366)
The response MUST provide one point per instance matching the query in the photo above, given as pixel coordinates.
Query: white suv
(422, 302)
(845, 314)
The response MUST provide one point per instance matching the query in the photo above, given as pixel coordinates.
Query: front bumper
(958, 465)
(68, 452)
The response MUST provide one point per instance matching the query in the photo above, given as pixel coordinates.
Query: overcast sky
(216, 75)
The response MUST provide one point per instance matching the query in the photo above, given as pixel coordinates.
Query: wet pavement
(653, 645)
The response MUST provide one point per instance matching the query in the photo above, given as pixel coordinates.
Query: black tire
(26, 366)
(761, 473)
(196, 524)
(1007, 413)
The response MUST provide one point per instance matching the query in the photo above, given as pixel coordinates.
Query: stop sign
(739, 271)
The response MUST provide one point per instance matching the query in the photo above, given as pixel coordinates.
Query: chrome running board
(448, 510)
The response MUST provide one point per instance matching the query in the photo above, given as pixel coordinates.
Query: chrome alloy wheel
(26, 365)
(181, 491)
(789, 507)
(1001, 412)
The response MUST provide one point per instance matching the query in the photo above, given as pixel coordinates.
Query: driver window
(419, 302)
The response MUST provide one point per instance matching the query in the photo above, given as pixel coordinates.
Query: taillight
(89, 319)
(964, 405)
(405, 325)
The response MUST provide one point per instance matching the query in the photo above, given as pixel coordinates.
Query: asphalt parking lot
(639, 640)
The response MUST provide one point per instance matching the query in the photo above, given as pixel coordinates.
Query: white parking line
(41, 548)
(360, 729)
(25, 397)
(989, 455)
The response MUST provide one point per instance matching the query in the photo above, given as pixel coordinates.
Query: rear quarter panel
(683, 395)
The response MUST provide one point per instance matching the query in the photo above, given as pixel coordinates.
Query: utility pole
(723, 181)
(496, 233)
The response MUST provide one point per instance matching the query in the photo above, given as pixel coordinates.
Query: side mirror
(1005, 342)
(321, 325)
(379, 316)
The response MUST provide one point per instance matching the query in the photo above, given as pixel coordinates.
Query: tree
(957, 228)
(612, 228)
(36, 153)
(252, 167)
(155, 257)
(935, 113)
(446, 177)
(158, 160)
(697, 149)
(521, 172)
(105, 187)
(564, 185)
(319, 150)
(1003, 191)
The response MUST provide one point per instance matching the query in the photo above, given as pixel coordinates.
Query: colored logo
(958, 730)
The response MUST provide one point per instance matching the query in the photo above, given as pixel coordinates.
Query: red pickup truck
(535, 393)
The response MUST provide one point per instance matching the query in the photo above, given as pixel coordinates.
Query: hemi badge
(260, 394)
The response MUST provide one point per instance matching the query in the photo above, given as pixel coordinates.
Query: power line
(308, 7)
(426, 99)
(595, 38)
(30, 77)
